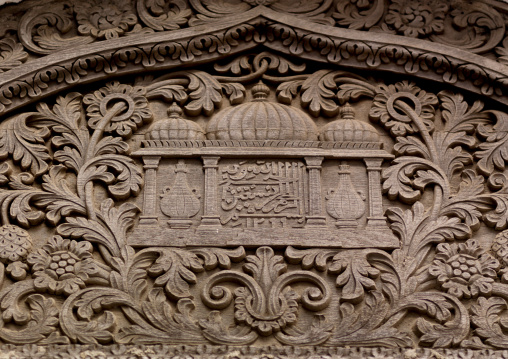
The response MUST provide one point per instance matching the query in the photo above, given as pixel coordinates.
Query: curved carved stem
(223, 296)
(171, 80)
(438, 191)
(250, 77)
(312, 299)
(88, 195)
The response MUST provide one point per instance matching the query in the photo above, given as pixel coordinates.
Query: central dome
(261, 120)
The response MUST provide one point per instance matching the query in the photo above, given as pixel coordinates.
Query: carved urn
(345, 203)
(261, 120)
(179, 202)
(175, 127)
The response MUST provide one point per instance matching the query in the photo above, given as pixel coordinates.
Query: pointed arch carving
(213, 178)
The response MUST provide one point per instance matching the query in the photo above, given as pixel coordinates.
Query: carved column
(149, 216)
(315, 217)
(376, 217)
(210, 216)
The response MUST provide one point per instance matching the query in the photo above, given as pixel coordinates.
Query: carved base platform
(319, 237)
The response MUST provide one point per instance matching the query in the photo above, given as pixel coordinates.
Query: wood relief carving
(254, 179)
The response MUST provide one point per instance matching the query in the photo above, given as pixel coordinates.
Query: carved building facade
(240, 178)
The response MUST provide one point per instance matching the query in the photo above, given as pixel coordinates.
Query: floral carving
(385, 109)
(104, 18)
(500, 247)
(15, 243)
(71, 173)
(417, 18)
(132, 112)
(62, 266)
(463, 270)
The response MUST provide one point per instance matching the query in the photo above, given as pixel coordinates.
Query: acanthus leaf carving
(289, 272)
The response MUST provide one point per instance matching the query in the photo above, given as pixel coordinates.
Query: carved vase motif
(180, 202)
(345, 204)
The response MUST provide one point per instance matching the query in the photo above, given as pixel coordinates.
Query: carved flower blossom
(104, 18)
(463, 270)
(385, 109)
(15, 244)
(62, 265)
(134, 114)
(244, 312)
(416, 18)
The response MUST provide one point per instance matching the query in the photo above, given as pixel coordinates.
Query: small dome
(261, 120)
(347, 129)
(175, 127)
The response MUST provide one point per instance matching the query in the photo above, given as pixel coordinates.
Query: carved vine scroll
(248, 181)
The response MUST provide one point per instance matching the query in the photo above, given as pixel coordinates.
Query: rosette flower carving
(62, 266)
(125, 120)
(500, 248)
(15, 244)
(104, 18)
(417, 18)
(385, 110)
(463, 270)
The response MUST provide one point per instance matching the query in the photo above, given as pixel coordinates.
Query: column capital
(314, 161)
(373, 163)
(210, 161)
(151, 162)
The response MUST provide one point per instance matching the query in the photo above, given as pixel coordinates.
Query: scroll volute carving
(262, 217)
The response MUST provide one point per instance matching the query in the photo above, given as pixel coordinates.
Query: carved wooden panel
(254, 179)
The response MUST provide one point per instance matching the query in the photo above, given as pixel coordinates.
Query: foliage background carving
(71, 189)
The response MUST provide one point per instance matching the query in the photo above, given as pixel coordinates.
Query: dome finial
(174, 111)
(347, 112)
(260, 91)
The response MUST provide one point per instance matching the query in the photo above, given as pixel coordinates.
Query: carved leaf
(58, 199)
(265, 259)
(309, 258)
(164, 324)
(126, 182)
(12, 55)
(460, 122)
(216, 331)
(287, 91)
(411, 146)
(363, 326)
(489, 325)
(353, 91)
(172, 19)
(174, 270)
(170, 93)
(494, 151)
(417, 231)
(318, 93)
(319, 331)
(468, 204)
(448, 334)
(18, 202)
(64, 120)
(24, 144)
(498, 218)
(118, 221)
(206, 93)
(355, 275)
(213, 257)
(398, 183)
(235, 92)
(359, 15)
